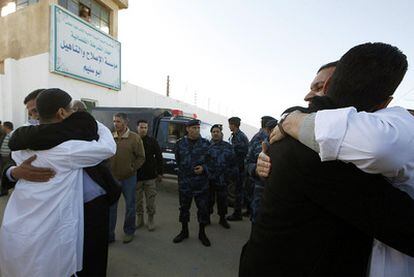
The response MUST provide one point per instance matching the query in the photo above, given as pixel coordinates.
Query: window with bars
(20, 4)
(90, 10)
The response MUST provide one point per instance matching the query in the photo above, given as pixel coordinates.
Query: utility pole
(168, 85)
(195, 98)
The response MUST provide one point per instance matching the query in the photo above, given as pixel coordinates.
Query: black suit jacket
(320, 218)
(4, 180)
(153, 165)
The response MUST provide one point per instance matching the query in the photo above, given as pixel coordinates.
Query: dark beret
(266, 119)
(271, 124)
(220, 126)
(192, 122)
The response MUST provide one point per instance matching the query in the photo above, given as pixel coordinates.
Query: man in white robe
(42, 229)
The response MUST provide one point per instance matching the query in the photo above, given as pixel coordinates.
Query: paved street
(154, 254)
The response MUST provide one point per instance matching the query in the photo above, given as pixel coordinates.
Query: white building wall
(28, 74)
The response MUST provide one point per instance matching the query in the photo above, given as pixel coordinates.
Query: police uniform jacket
(221, 163)
(188, 155)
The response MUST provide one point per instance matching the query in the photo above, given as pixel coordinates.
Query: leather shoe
(204, 239)
(234, 217)
(181, 236)
(223, 222)
(128, 238)
(246, 213)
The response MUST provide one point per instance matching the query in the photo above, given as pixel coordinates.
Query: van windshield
(205, 131)
(169, 132)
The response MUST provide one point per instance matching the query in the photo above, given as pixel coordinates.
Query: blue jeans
(128, 190)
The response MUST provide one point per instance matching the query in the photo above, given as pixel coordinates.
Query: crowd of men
(329, 188)
(63, 142)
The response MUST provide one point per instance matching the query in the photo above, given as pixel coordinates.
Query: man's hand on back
(276, 135)
(31, 173)
(263, 165)
(291, 125)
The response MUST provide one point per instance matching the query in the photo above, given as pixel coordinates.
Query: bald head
(78, 106)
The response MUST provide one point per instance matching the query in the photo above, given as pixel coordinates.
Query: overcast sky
(253, 57)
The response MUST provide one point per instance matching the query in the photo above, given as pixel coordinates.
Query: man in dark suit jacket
(320, 218)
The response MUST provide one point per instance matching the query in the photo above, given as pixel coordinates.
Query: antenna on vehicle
(168, 85)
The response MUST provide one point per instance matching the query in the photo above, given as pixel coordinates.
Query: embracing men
(42, 229)
(319, 218)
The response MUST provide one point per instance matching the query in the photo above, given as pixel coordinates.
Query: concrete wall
(25, 33)
(123, 4)
(28, 74)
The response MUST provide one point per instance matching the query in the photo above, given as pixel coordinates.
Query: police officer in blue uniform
(190, 155)
(255, 147)
(221, 167)
(240, 144)
(257, 139)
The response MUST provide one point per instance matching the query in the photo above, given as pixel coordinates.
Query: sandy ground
(154, 254)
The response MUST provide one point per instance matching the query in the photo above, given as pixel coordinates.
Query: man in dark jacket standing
(148, 175)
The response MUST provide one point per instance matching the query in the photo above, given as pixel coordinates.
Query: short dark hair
(328, 65)
(367, 75)
(8, 125)
(49, 101)
(235, 121)
(32, 95)
(124, 116)
(142, 121)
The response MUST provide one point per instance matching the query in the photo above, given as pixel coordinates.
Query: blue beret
(271, 124)
(192, 122)
(220, 126)
(266, 119)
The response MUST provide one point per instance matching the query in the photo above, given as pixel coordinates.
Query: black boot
(246, 213)
(223, 222)
(203, 237)
(183, 234)
(236, 216)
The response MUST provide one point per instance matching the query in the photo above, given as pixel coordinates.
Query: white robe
(377, 143)
(42, 230)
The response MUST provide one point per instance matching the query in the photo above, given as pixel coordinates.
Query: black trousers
(4, 161)
(201, 199)
(95, 244)
(219, 192)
